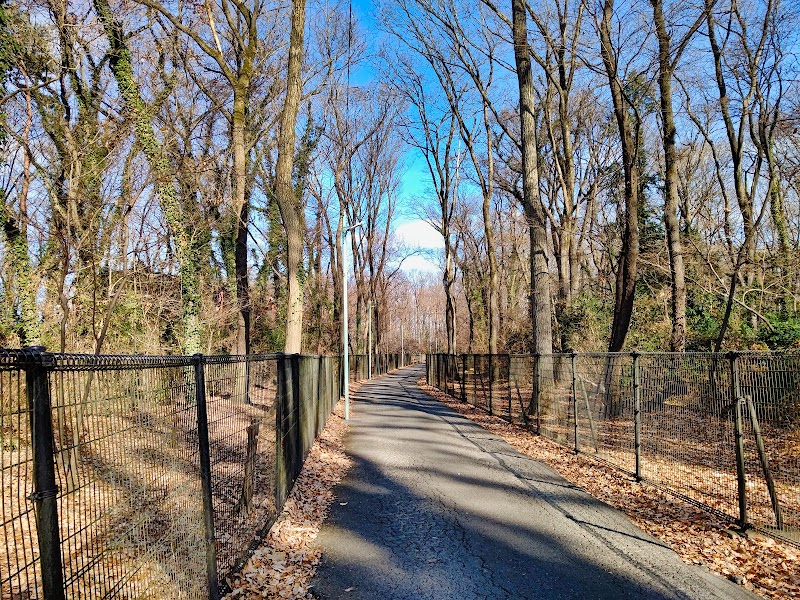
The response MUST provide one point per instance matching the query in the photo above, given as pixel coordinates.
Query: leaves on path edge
(284, 564)
(761, 564)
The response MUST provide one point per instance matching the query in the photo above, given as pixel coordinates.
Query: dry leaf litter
(282, 567)
(761, 564)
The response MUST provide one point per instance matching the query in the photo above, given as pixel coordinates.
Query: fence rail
(150, 477)
(381, 363)
(720, 430)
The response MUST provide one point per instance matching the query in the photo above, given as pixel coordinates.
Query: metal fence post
(537, 389)
(446, 371)
(637, 417)
(37, 385)
(508, 379)
(205, 475)
(575, 402)
(283, 415)
(489, 379)
(464, 360)
(474, 380)
(739, 438)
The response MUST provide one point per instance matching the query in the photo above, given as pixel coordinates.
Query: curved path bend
(435, 507)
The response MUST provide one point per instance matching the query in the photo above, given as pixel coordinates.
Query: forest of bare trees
(177, 176)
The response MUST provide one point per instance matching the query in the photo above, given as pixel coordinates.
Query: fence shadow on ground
(145, 477)
(722, 431)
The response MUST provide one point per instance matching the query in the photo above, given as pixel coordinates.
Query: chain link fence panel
(720, 430)
(149, 477)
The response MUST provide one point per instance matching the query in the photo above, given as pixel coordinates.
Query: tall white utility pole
(345, 323)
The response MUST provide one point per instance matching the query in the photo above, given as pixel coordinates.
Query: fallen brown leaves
(282, 567)
(761, 564)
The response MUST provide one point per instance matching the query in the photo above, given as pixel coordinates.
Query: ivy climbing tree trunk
(140, 115)
(30, 333)
(237, 64)
(16, 234)
(289, 204)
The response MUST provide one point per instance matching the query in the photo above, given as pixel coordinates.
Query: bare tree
(670, 51)
(432, 131)
(745, 79)
(629, 125)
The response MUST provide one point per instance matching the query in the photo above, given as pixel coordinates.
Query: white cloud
(421, 263)
(419, 234)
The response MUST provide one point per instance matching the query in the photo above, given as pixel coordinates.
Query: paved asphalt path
(436, 507)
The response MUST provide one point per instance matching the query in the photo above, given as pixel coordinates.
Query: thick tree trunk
(16, 233)
(448, 280)
(242, 283)
(671, 196)
(568, 224)
(241, 210)
(629, 255)
(288, 203)
(540, 302)
(494, 304)
(18, 255)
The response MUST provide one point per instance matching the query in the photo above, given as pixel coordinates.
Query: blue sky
(409, 227)
(416, 185)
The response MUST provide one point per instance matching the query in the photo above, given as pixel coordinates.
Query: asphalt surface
(436, 507)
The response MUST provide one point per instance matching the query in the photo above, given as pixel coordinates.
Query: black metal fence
(148, 477)
(381, 363)
(719, 430)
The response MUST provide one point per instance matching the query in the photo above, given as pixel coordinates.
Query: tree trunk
(448, 280)
(122, 68)
(494, 305)
(568, 223)
(16, 232)
(241, 208)
(540, 303)
(17, 243)
(736, 143)
(629, 255)
(288, 203)
(242, 282)
(671, 196)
